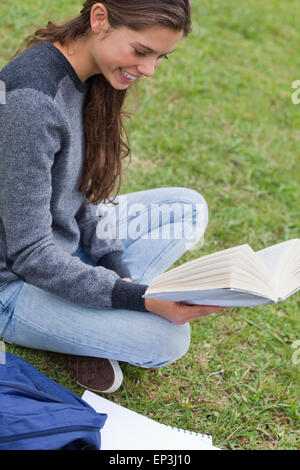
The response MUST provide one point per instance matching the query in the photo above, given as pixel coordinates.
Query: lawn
(217, 117)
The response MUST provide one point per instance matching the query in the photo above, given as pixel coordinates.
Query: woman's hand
(177, 312)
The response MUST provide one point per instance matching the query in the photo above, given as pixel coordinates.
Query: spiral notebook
(127, 430)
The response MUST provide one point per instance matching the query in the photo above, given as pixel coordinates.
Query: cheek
(113, 58)
(111, 61)
(127, 59)
(121, 55)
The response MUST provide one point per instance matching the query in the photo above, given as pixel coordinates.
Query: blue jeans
(37, 319)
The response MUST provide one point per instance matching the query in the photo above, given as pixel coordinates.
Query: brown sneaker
(95, 373)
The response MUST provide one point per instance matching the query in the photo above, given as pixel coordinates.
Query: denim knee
(175, 345)
(191, 196)
(200, 204)
(199, 221)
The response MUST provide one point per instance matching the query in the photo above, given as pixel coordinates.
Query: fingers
(205, 309)
(192, 312)
(178, 312)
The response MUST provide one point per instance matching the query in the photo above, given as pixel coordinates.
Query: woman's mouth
(127, 77)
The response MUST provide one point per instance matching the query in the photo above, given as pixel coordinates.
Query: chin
(119, 86)
(116, 83)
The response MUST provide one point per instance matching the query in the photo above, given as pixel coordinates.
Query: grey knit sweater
(43, 215)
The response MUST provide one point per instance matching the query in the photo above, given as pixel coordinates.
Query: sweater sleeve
(31, 135)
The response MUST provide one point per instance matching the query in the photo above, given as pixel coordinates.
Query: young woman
(67, 283)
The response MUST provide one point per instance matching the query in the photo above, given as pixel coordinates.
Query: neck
(77, 54)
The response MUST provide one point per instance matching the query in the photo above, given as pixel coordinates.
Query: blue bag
(37, 413)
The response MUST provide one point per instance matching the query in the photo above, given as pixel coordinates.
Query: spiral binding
(192, 433)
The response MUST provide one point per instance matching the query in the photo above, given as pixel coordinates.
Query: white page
(273, 256)
(127, 430)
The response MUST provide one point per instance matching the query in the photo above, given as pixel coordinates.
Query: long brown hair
(106, 140)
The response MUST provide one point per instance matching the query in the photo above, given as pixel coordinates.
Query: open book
(235, 277)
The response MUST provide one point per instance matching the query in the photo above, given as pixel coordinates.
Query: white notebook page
(127, 430)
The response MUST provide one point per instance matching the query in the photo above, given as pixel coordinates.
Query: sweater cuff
(114, 262)
(129, 295)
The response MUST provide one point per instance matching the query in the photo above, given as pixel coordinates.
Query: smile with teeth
(128, 75)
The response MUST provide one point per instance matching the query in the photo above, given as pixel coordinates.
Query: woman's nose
(147, 68)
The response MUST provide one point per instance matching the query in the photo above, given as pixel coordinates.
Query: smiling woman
(119, 54)
(103, 43)
(63, 288)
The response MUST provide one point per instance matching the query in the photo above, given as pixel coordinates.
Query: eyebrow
(148, 49)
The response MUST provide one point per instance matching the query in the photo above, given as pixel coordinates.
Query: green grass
(216, 117)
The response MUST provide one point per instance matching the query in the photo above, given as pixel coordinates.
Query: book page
(273, 255)
(283, 259)
(125, 429)
(237, 268)
(268, 275)
(199, 264)
(220, 273)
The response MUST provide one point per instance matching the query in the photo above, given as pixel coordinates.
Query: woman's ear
(99, 18)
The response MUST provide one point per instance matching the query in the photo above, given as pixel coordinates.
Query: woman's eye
(138, 53)
(143, 54)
